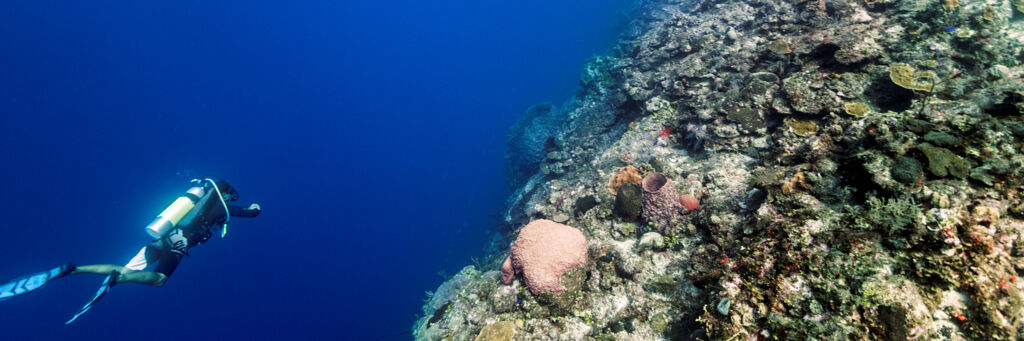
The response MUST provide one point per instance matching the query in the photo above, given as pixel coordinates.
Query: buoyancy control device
(183, 209)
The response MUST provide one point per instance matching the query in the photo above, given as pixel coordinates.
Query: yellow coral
(801, 127)
(780, 46)
(499, 331)
(910, 78)
(986, 214)
(857, 109)
(989, 14)
(628, 174)
(950, 4)
(798, 181)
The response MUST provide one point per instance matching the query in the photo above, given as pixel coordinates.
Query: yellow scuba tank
(172, 215)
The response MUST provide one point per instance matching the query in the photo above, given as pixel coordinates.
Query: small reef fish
(949, 29)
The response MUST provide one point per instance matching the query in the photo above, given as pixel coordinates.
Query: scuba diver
(184, 224)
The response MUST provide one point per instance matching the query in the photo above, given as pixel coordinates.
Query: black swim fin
(104, 288)
(34, 281)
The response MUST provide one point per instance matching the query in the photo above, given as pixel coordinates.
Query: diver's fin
(104, 288)
(34, 281)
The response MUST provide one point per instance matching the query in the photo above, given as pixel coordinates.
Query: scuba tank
(187, 207)
(173, 214)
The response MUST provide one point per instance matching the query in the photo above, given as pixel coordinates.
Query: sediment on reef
(857, 165)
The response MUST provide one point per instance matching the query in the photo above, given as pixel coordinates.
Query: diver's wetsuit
(167, 251)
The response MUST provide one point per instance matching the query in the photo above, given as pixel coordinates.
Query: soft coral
(696, 136)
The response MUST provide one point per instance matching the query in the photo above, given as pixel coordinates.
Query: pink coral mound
(543, 251)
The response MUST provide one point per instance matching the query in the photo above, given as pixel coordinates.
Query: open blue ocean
(372, 133)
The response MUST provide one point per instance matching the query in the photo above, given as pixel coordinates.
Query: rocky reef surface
(847, 170)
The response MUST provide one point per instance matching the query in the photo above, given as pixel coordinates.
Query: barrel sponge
(661, 205)
(543, 251)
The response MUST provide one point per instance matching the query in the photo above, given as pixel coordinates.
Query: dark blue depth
(371, 132)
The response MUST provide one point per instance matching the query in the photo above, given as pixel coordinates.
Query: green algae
(941, 139)
(906, 170)
(627, 202)
(943, 162)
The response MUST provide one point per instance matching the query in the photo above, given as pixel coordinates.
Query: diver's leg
(155, 279)
(99, 269)
(126, 275)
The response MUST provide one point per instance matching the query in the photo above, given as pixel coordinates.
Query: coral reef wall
(857, 163)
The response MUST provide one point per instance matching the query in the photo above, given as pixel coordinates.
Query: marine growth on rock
(858, 165)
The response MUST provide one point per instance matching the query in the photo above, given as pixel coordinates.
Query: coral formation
(661, 208)
(627, 174)
(909, 78)
(543, 251)
(942, 161)
(780, 45)
(689, 202)
(499, 331)
(857, 109)
(858, 165)
(628, 202)
(906, 170)
(801, 127)
(798, 181)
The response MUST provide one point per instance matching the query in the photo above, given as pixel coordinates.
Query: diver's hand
(254, 207)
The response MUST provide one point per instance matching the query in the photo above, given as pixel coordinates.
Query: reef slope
(857, 165)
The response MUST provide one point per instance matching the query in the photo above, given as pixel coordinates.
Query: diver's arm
(245, 212)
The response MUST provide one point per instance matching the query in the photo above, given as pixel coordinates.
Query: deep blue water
(372, 133)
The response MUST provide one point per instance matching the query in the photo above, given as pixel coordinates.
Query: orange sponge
(628, 174)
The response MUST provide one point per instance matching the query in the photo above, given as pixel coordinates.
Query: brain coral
(628, 174)
(542, 252)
